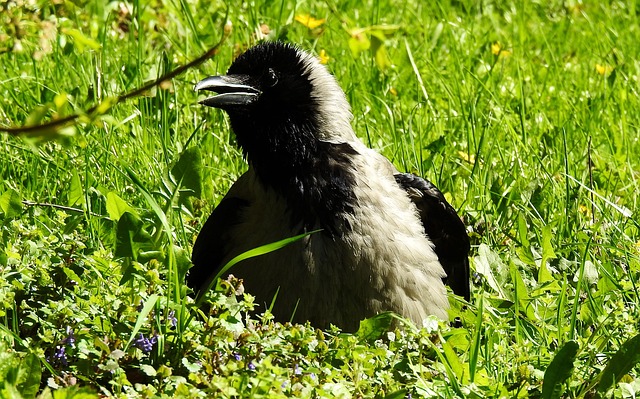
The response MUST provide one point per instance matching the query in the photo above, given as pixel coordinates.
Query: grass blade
(261, 250)
(146, 309)
(474, 350)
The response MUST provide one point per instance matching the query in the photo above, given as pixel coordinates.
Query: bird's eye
(271, 78)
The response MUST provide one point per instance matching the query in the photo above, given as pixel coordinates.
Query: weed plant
(525, 114)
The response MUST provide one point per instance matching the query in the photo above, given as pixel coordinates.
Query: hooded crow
(388, 241)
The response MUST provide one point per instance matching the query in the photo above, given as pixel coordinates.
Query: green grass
(524, 114)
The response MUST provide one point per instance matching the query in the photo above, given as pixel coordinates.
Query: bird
(378, 240)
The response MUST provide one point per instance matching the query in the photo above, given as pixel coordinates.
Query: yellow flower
(497, 49)
(604, 70)
(585, 210)
(324, 57)
(309, 21)
(467, 157)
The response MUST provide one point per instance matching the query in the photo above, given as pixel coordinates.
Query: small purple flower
(60, 356)
(297, 370)
(251, 366)
(237, 356)
(70, 339)
(172, 318)
(145, 344)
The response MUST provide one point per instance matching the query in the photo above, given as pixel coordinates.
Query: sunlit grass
(525, 115)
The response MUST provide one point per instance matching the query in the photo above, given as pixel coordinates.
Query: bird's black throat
(315, 177)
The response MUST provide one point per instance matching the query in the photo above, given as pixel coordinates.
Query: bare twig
(56, 206)
(67, 120)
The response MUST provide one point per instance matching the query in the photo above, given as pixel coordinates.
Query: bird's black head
(292, 121)
(268, 78)
(281, 102)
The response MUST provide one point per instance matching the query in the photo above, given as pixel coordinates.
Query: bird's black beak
(232, 90)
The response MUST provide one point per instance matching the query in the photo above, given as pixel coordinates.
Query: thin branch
(61, 207)
(58, 123)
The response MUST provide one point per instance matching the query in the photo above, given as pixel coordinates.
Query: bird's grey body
(372, 253)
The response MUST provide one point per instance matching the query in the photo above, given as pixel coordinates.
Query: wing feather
(213, 242)
(445, 229)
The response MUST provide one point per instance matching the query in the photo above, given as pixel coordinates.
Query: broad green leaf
(183, 261)
(521, 293)
(385, 30)
(192, 367)
(9, 392)
(71, 275)
(157, 210)
(358, 42)
(544, 275)
(397, 394)
(11, 203)
(547, 247)
(131, 237)
(518, 283)
(620, 364)
(126, 269)
(489, 265)
(559, 370)
(29, 376)
(75, 195)
(379, 50)
(148, 370)
(375, 327)
(461, 372)
(116, 206)
(438, 145)
(524, 251)
(188, 172)
(589, 273)
(126, 230)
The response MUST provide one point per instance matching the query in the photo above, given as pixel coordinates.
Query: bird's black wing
(212, 243)
(445, 229)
